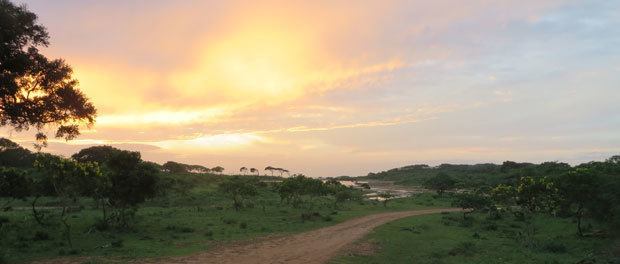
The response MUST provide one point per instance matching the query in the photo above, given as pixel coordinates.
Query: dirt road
(317, 246)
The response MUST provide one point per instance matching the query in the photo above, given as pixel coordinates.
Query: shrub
(311, 216)
(463, 249)
(178, 229)
(229, 221)
(117, 243)
(327, 218)
(209, 233)
(101, 225)
(40, 236)
(489, 226)
(243, 225)
(554, 246)
(4, 220)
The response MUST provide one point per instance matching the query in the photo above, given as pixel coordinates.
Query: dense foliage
(34, 90)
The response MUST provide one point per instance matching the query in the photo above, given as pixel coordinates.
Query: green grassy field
(177, 224)
(445, 238)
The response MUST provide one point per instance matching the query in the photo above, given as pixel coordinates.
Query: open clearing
(317, 246)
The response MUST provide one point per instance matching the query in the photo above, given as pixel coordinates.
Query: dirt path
(317, 246)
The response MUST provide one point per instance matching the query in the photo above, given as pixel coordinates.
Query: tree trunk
(37, 215)
(579, 216)
(67, 226)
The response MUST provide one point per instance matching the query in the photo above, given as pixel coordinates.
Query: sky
(328, 88)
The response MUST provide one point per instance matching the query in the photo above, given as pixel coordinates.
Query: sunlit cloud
(161, 118)
(212, 142)
(330, 88)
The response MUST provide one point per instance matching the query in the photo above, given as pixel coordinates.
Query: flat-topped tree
(218, 169)
(35, 91)
(254, 170)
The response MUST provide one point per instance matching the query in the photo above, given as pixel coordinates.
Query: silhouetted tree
(99, 154)
(35, 91)
(243, 170)
(175, 167)
(270, 169)
(132, 181)
(218, 169)
(13, 155)
(13, 185)
(254, 170)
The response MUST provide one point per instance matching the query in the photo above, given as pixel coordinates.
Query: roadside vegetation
(108, 202)
(524, 213)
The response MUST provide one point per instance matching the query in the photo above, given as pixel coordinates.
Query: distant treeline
(467, 176)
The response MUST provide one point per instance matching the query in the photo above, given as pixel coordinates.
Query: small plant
(178, 229)
(327, 218)
(117, 243)
(464, 249)
(554, 246)
(40, 236)
(489, 226)
(209, 233)
(229, 221)
(243, 225)
(101, 225)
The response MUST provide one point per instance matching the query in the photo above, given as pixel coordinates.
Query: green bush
(178, 229)
(554, 246)
(464, 249)
(40, 236)
(117, 243)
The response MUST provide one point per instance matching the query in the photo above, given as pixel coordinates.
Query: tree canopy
(34, 90)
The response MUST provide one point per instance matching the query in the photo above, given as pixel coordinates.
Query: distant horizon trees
(254, 170)
(280, 170)
(218, 169)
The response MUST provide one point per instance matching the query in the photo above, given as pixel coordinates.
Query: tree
(440, 183)
(254, 170)
(293, 189)
(504, 195)
(238, 189)
(270, 169)
(218, 169)
(243, 170)
(34, 90)
(13, 155)
(536, 194)
(13, 185)
(70, 180)
(175, 167)
(385, 197)
(342, 196)
(580, 193)
(471, 201)
(132, 181)
(99, 154)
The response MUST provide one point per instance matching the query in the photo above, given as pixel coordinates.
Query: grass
(178, 224)
(445, 238)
